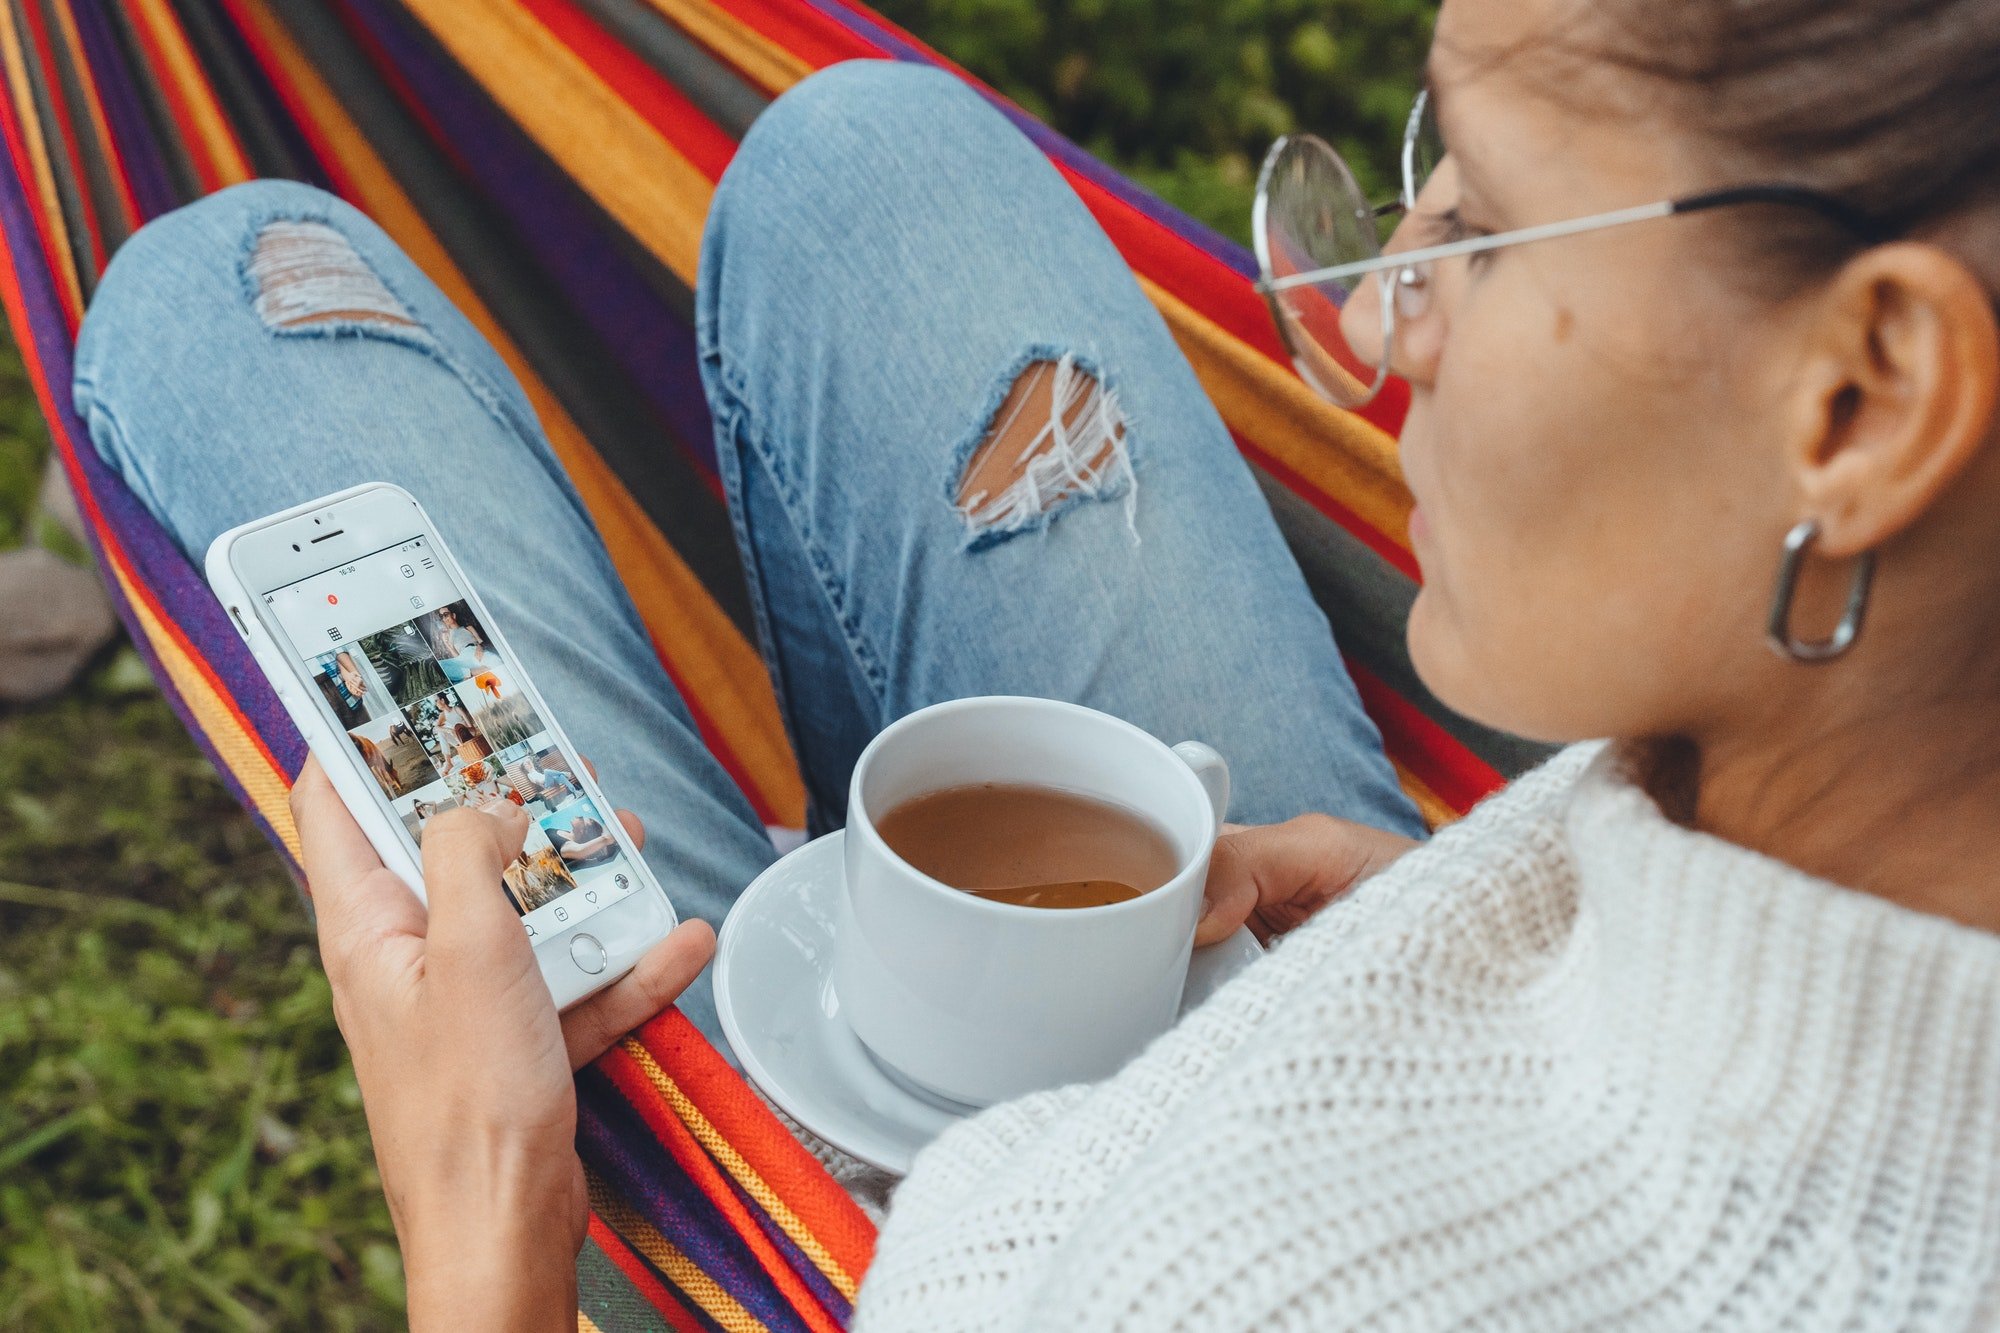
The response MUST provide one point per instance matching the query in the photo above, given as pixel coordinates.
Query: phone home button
(587, 954)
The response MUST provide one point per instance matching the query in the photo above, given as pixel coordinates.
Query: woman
(1694, 1029)
(460, 648)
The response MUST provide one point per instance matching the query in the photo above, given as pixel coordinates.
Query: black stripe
(272, 142)
(564, 351)
(69, 198)
(94, 151)
(166, 132)
(1368, 601)
(716, 90)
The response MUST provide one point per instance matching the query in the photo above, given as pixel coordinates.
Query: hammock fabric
(549, 163)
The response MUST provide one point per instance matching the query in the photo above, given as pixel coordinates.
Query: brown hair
(1892, 106)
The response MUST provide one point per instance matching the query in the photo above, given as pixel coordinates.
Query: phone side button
(587, 954)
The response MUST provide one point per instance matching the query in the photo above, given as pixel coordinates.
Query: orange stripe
(742, 1118)
(94, 105)
(701, 646)
(54, 232)
(219, 157)
(1331, 450)
(65, 128)
(664, 1255)
(632, 170)
(673, 1133)
(764, 62)
(627, 1261)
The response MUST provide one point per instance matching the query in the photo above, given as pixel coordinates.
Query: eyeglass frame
(1835, 210)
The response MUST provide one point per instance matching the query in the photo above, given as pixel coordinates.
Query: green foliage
(181, 1137)
(1187, 94)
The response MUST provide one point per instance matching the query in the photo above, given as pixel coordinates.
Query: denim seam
(975, 438)
(744, 431)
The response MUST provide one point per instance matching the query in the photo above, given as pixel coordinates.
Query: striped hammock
(549, 164)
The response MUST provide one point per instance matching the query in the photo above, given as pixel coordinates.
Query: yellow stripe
(93, 105)
(1429, 804)
(745, 1175)
(585, 1324)
(715, 664)
(756, 57)
(211, 126)
(630, 168)
(680, 1270)
(1341, 454)
(54, 228)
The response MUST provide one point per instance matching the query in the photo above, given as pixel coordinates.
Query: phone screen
(437, 714)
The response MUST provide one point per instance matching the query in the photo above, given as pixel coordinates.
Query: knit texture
(1569, 1066)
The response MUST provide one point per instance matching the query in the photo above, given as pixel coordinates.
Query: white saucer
(774, 994)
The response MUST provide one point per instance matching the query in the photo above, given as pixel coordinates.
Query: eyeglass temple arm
(1476, 245)
(1796, 196)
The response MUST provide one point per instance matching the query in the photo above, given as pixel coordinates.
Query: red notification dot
(331, 600)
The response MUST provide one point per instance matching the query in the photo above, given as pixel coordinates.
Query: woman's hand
(463, 1062)
(1271, 877)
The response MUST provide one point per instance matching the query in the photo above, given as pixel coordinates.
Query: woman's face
(1597, 522)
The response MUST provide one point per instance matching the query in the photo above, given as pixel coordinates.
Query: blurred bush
(1185, 95)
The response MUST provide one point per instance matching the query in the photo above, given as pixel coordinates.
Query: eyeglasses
(1318, 241)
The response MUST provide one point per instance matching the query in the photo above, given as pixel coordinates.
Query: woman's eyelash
(1453, 227)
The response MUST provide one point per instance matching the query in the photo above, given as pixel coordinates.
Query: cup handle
(1212, 770)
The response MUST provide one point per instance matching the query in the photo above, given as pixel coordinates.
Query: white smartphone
(406, 690)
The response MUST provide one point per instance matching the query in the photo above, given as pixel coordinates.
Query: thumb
(465, 852)
(1230, 895)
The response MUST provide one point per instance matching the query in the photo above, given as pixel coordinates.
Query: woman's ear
(1897, 397)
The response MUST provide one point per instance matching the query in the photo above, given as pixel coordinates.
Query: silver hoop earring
(1779, 631)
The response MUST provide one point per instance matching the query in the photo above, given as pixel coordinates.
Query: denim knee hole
(306, 276)
(1055, 436)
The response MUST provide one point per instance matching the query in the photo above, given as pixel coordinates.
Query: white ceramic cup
(976, 1001)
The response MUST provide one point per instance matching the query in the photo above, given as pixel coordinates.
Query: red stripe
(90, 77)
(693, 1159)
(315, 134)
(778, 1158)
(636, 1271)
(45, 54)
(1460, 778)
(205, 167)
(641, 87)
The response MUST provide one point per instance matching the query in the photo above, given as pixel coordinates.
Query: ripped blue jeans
(886, 260)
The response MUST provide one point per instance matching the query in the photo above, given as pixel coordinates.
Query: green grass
(181, 1138)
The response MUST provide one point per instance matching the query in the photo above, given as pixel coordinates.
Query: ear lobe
(1912, 352)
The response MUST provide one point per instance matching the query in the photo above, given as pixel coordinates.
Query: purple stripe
(155, 561)
(828, 1295)
(616, 1142)
(871, 29)
(576, 245)
(152, 186)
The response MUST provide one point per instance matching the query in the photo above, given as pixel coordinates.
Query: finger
(633, 828)
(590, 766)
(344, 876)
(1230, 895)
(465, 852)
(667, 969)
(1299, 866)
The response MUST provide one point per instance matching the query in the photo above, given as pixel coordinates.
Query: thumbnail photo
(348, 680)
(581, 838)
(394, 755)
(536, 876)
(541, 778)
(444, 724)
(425, 806)
(480, 786)
(503, 716)
(404, 662)
(464, 651)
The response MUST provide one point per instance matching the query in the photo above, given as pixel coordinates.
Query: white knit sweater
(1571, 1066)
